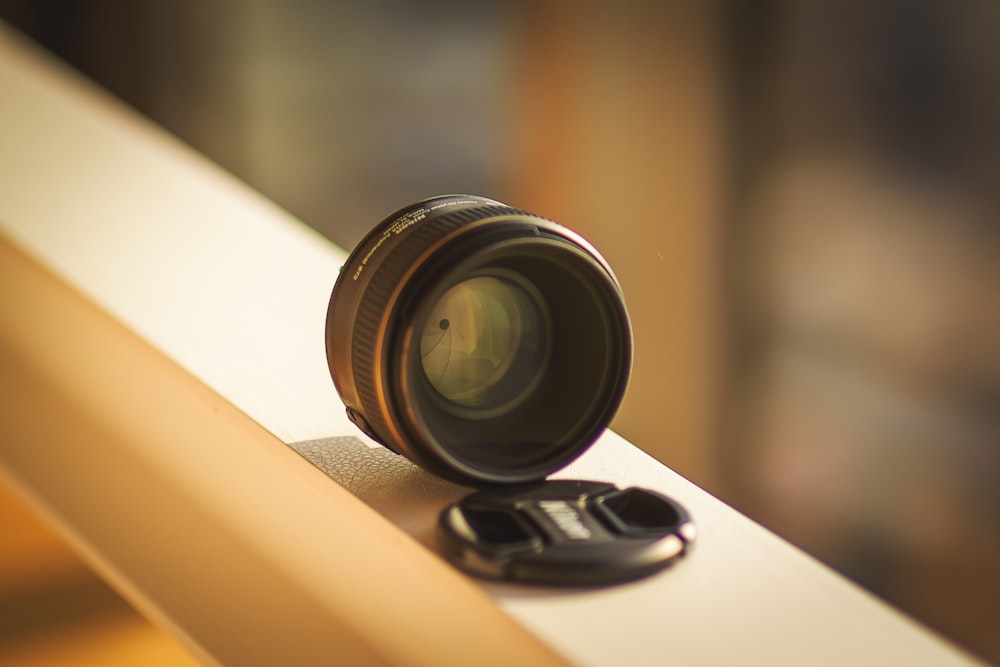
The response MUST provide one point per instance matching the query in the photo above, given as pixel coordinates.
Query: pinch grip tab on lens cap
(565, 532)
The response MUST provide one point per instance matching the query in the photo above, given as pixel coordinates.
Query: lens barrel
(485, 343)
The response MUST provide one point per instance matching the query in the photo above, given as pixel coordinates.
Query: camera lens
(485, 343)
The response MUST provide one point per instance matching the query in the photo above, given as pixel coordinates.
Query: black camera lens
(485, 343)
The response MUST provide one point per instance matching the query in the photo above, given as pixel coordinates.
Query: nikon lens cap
(564, 532)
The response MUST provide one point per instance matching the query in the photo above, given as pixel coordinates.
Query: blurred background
(801, 200)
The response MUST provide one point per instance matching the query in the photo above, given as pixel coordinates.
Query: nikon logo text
(566, 518)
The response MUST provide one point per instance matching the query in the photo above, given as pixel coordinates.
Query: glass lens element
(472, 338)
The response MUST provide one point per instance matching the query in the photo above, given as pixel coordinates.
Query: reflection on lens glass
(472, 338)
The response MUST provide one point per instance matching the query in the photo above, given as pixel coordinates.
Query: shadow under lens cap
(565, 532)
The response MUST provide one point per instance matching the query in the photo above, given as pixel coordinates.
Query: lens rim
(430, 431)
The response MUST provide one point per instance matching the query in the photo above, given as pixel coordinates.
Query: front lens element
(483, 344)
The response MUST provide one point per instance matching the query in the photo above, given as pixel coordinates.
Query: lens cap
(565, 532)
